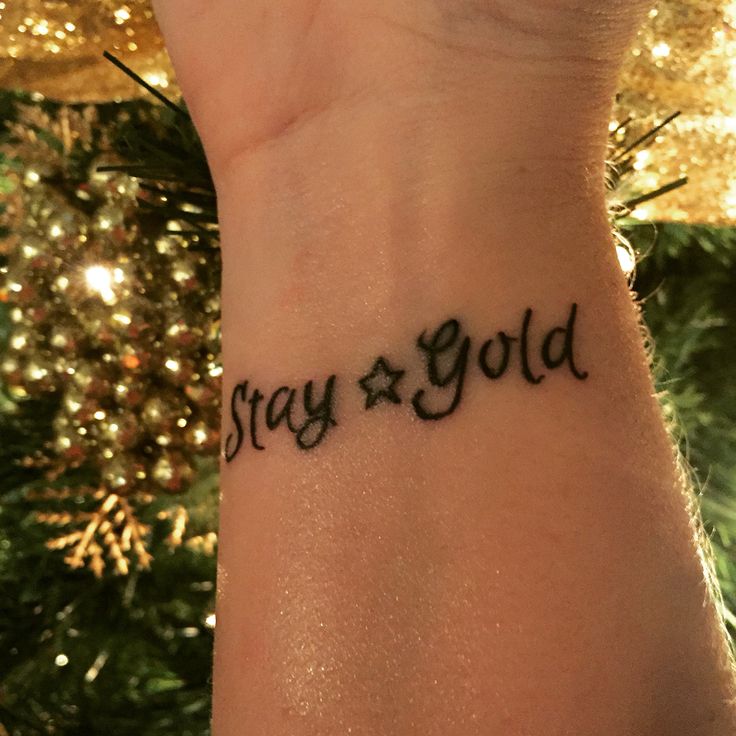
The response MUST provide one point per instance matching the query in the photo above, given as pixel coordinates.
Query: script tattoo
(308, 431)
(448, 354)
(434, 350)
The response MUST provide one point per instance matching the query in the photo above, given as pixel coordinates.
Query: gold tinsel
(55, 48)
(684, 59)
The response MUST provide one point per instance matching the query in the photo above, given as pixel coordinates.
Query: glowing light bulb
(641, 213)
(641, 159)
(730, 13)
(122, 14)
(157, 79)
(729, 200)
(626, 259)
(661, 50)
(99, 279)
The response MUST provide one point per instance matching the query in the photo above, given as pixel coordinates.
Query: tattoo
(273, 420)
(380, 384)
(566, 354)
(434, 351)
(494, 373)
(446, 354)
(319, 415)
(240, 390)
(525, 369)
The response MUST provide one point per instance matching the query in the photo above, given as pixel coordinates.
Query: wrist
(495, 129)
(410, 83)
(367, 217)
(368, 229)
(365, 161)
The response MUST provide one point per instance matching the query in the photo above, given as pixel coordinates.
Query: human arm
(526, 563)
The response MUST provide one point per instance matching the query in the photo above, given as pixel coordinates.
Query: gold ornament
(86, 287)
(120, 429)
(172, 472)
(112, 529)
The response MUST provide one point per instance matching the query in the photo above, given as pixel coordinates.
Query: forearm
(510, 552)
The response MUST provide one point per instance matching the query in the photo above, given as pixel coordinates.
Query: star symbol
(380, 384)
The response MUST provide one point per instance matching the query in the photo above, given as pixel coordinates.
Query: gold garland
(120, 319)
(685, 59)
(55, 48)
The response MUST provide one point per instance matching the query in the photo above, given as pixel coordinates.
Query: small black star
(380, 384)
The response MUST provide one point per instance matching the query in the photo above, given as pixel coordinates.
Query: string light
(99, 279)
(97, 665)
(122, 14)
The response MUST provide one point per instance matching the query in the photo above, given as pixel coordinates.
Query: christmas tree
(109, 430)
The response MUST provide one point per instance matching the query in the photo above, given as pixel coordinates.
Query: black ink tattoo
(566, 354)
(240, 390)
(525, 369)
(254, 401)
(381, 384)
(446, 355)
(274, 418)
(434, 351)
(494, 373)
(319, 415)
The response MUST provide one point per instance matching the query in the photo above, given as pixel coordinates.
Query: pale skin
(528, 564)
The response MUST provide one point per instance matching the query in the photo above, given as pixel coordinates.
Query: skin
(528, 564)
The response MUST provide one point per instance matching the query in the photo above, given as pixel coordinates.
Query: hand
(254, 70)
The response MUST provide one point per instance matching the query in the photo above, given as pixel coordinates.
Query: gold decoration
(684, 60)
(55, 48)
(113, 529)
(138, 385)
